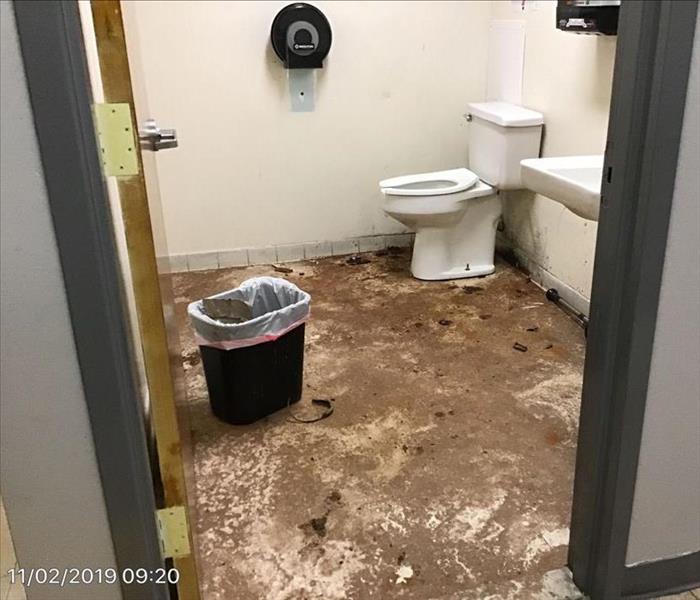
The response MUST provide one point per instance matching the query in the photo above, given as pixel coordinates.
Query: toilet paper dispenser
(301, 36)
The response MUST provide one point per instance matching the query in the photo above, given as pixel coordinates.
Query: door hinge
(115, 133)
(172, 530)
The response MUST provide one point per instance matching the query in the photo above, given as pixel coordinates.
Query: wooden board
(116, 81)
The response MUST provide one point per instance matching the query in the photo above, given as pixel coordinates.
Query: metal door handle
(152, 137)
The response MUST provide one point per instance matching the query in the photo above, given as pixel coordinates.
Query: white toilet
(455, 213)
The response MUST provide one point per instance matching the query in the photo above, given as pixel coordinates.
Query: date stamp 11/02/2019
(63, 577)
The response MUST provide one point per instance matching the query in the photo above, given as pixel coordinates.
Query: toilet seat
(430, 184)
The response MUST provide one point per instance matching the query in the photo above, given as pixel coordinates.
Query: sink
(573, 181)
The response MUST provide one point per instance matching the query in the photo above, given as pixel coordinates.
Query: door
(146, 253)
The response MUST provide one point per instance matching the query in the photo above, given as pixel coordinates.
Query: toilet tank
(500, 136)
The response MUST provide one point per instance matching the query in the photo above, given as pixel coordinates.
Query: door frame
(115, 75)
(648, 99)
(652, 65)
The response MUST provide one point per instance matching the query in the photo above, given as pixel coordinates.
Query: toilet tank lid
(506, 114)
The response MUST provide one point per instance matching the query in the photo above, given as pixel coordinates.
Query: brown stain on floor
(552, 438)
(449, 455)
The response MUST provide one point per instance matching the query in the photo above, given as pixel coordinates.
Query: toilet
(455, 212)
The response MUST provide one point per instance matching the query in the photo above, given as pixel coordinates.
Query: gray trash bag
(277, 306)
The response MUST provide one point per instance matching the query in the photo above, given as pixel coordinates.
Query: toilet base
(457, 273)
(464, 248)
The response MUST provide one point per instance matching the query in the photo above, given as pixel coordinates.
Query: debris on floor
(191, 359)
(533, 328)
(519, 347)
(280, 269)
(404, 573)
(445, 322)
(306, 416)
(334, 497)
(357, 259)
(391, 251)
(316, 525)
(472, 289)
(332, 510)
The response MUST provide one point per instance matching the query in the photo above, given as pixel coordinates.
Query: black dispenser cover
(597, 17)
(301, 36)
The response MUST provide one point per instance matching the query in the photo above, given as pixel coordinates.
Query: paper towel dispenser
(301, 36)
(598, 17)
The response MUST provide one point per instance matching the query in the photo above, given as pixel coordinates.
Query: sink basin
(573, 181)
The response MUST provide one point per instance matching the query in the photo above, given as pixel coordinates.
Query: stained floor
(446, 469)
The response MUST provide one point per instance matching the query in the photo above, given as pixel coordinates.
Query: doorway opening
(447, 465)
(372, 280)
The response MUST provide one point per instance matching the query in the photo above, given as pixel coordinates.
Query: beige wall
(249, 172)
(568, 78)
(252, 173)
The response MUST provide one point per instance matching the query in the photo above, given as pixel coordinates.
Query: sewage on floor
(446, 469)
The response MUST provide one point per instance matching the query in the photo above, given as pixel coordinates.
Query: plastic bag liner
(278, 306)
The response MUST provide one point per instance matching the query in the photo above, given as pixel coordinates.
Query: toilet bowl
(454, 215)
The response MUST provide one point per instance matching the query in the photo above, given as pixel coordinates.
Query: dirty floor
(446, 469)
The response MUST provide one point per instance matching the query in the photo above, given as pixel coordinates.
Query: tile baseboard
(244, 257)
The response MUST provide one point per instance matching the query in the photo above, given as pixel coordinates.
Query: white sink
(573, 181)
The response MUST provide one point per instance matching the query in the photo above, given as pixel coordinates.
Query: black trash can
(256, 367)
